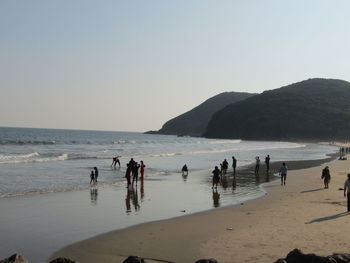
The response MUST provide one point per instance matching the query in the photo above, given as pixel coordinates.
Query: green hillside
(313, 109)
(195, 121)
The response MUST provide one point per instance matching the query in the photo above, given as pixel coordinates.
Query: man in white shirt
(347, 187)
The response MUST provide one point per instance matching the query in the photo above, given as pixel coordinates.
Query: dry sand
(300, 214)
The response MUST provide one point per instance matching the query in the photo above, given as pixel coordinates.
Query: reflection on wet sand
(132, 197)
(216, 198)
(93, 195)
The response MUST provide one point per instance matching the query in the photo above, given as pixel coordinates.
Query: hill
(313, 109)
(194, 122)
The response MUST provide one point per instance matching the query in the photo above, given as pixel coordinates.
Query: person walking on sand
(347, 193)
(257, 165)
(96, 173)
(283, 173)
(267, 162)
(216, 177)
(326, 176)
(234, 164)
(92, 177)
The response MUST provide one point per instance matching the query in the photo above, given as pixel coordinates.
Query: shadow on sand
(312, 190)
(327, 218)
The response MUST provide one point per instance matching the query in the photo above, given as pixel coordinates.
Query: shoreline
(132, 240)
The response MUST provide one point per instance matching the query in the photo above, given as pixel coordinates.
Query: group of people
(94, 176)
(257, 164)
(132, 171)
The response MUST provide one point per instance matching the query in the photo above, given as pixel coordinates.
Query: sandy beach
(301, 214)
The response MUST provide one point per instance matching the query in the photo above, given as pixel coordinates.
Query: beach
(301, 214)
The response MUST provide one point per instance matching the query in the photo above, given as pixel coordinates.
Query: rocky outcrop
(15, 258)
(297, 256)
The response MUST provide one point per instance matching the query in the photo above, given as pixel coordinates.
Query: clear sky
(132, 65)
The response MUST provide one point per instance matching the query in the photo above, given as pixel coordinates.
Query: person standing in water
(283, 173)
(184, 170)
(216, 177)
(116, 161)
(92, 177)
(267, 162)
(257, 165)
(135, 172)
(142, 169)
(234, 164)
(96, 173)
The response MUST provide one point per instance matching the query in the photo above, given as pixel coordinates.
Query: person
(224, 166)
(257, 164)
(184, 170)
(347, 187)
(234, 164)
(283, 173)
(326, 176)
(267, 162)
(128, 174)
(216, 177)
(142, 169)
(96, 173)
(92, 177)
(116, 161)
(135, 172)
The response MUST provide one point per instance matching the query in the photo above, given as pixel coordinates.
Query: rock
(15, 258)
(211, 260)
(63, 260)
(340, 258)
(134, 259)
(296, 256)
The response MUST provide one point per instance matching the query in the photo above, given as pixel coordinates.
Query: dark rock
(63, 260)
(296, 256)
(134, 259)
(340, 258)
(211, 260)
(15, 258)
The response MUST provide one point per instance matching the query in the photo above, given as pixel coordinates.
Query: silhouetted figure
(216, 177)
(116, 161)
(257, 165)
(347, 190)
(267, 162)
(142, 169)
(129, 195)
(128, 174)
(283, 173)
(92, 177)
(234, 164)
(184, 170)
(326, 176)
(224, 166)
(135, 172)
(142, 189)
(96, 173)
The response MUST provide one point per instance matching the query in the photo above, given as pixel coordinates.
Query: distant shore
(301, 214)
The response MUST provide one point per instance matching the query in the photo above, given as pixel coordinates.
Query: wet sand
(301, 214)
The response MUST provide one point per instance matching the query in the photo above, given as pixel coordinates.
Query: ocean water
(39, 161)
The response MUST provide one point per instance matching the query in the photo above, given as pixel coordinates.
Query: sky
(132, 65)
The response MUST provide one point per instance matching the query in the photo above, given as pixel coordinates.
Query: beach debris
(183, 211)
(15, 258)
(211, 260)
(229, 228)
(63, 260)
(134, 259)
(297, 256)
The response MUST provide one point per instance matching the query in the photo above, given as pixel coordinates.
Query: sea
(39, 161)
(47, 202)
